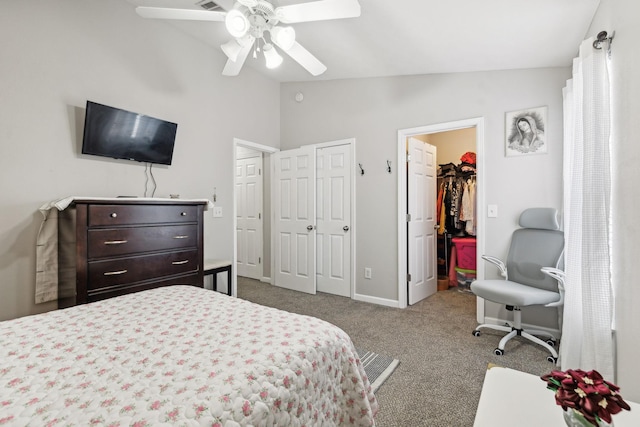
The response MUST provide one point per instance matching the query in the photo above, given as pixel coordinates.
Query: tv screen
(119, 134)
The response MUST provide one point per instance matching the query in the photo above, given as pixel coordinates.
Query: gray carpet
(442, 365)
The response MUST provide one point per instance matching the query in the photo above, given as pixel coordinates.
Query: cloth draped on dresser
(47, 251)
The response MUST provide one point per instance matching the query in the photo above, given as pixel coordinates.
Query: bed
(180, 356)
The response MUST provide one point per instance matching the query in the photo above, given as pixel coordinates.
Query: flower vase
(574, 418)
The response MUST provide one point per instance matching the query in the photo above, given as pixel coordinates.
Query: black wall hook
(389, 166)
(361, 170)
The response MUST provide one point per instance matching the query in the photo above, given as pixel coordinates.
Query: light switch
(492, 211)
(217, 212)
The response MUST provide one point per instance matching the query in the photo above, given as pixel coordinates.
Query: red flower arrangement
(586, 393)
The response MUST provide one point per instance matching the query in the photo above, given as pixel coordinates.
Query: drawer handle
(183, 214)
(180, 262)
(115, 242)
(115, 273)
(113, 215)
(182, 236)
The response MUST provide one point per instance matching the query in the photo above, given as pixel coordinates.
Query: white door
(333, 219)
(249, 217)
(294, 219)
(421, 233)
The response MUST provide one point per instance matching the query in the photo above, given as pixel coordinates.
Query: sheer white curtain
(587, 341)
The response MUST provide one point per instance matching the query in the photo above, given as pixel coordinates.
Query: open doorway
(476, 124)
(455, 257)
(265, 152)
(249, 190)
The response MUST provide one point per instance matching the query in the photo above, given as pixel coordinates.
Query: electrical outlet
(217, 212)
(492, 211)
(367, 273)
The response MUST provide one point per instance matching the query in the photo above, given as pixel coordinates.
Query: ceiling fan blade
(232, 68)
(303, 57)
(185, 14)
(318, 11)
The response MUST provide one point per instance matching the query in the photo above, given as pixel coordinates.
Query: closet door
(421, 232)
(333, 216)
(295, 216)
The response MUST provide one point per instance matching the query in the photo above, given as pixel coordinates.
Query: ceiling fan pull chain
(256, 48)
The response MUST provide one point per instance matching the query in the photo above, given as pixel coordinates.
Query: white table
(512, 398)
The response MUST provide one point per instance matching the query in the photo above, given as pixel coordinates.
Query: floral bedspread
(180, 356)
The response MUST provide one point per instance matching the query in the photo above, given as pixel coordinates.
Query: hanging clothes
(468, 203)
(455, 205)
(439, 201)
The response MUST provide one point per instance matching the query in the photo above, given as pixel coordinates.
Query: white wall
(373, 110)
(453, 144)
(621, 16)
(55, 56)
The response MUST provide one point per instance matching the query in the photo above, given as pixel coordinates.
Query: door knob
(309, 227)
(345, 228)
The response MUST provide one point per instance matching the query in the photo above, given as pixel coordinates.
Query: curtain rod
(601, 38)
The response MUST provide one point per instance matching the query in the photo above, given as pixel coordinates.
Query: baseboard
(376, 300)
(266, 280)
(495, 321)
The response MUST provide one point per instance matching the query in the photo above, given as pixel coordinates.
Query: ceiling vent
(210, 5)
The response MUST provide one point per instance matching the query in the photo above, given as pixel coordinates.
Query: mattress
(180, 356)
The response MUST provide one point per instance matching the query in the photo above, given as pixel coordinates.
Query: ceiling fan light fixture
(284, 37)
(271, 56)
(237, 23)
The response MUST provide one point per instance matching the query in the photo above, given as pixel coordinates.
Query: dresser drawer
(139, 268)
(107, 242)
(106, 215)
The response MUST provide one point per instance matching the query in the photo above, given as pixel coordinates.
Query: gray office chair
(531, 276)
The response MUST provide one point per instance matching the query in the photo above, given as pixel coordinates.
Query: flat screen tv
(119, 134)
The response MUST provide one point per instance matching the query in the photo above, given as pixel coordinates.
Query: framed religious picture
(525, 132)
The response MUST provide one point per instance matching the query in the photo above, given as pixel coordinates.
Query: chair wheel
(498, 352)
(476, 333)
(552, 359)
(551, 342)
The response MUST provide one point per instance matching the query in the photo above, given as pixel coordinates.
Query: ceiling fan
(250, 20)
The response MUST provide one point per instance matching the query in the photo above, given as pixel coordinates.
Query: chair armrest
(498, 263)
(559, 276)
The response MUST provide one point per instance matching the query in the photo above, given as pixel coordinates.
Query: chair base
(516, 330)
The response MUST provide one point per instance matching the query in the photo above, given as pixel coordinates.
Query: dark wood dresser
(114, 247)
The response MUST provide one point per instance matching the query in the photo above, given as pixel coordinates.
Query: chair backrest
(539, 243)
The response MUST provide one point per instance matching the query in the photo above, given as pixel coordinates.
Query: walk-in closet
(456, 207)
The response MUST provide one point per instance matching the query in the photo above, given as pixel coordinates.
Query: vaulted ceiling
(407, 37)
